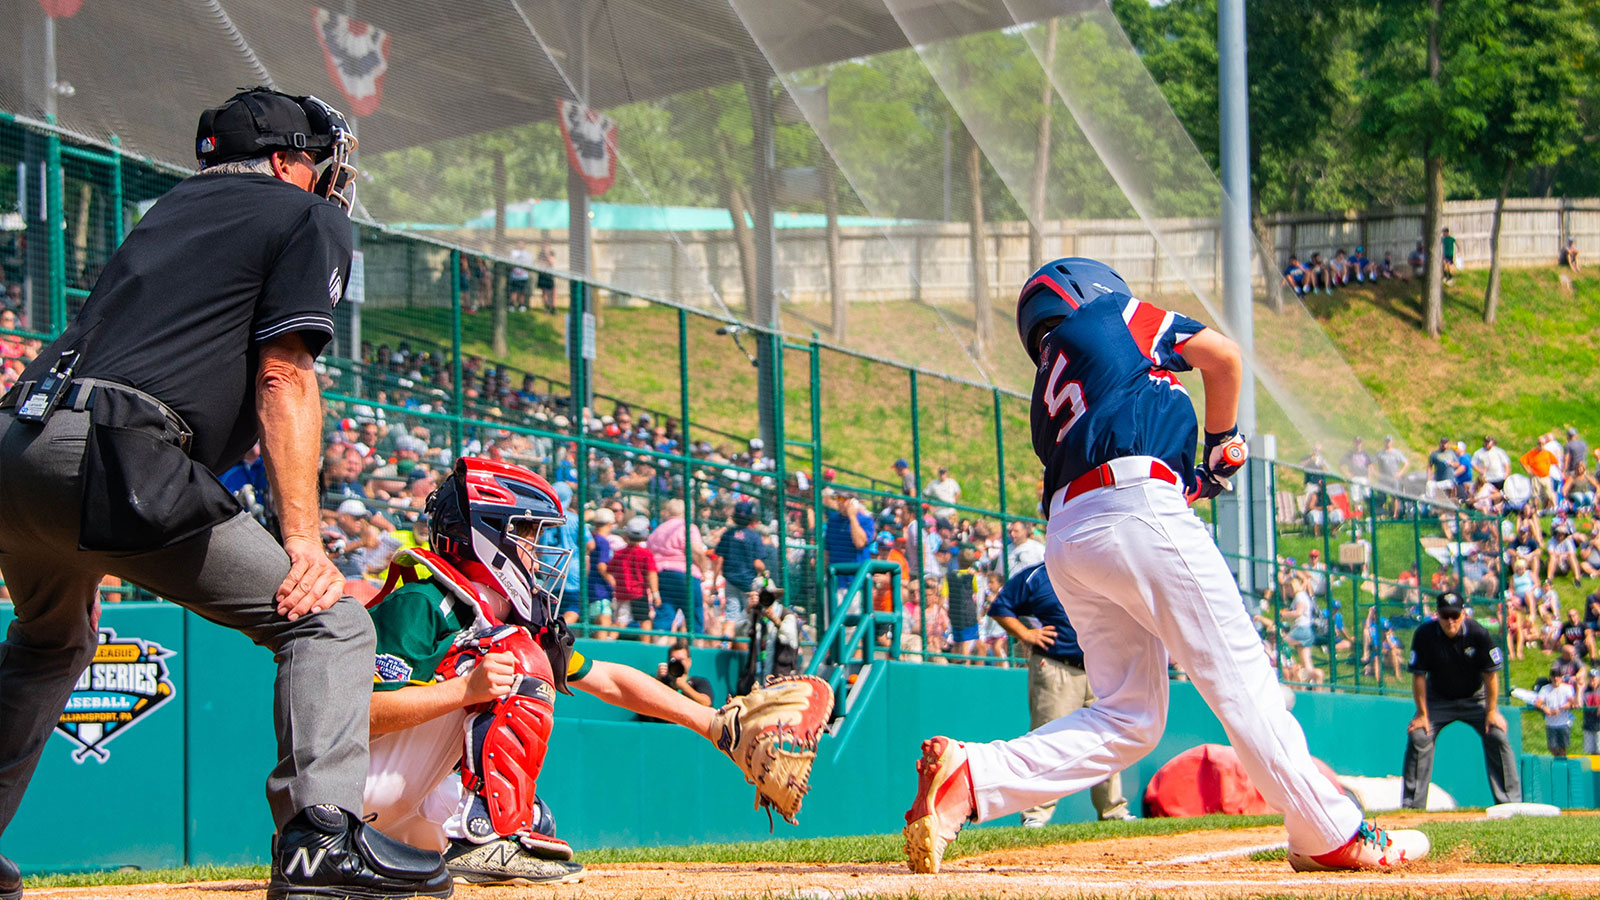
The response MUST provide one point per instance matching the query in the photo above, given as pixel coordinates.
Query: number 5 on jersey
(1057, 394)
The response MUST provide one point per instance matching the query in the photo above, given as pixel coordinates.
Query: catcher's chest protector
(506, 741)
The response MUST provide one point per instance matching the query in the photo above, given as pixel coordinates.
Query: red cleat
(943, 804)
(1371, 848)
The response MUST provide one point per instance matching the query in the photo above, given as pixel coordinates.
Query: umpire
(1454, 678)
(198, 339)
(1057, 683)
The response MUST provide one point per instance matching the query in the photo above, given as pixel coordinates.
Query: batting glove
(1207, 484)
(1226, 452)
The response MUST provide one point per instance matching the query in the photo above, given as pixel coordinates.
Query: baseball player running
(1140, 578)
(468, 650)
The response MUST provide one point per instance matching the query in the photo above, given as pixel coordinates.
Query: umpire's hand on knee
(313, 583)
(1493, 719)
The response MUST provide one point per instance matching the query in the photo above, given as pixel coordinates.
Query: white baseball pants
(409, 782)
(1140, 578)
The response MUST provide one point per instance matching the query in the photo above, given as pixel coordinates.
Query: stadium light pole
(1236, 526)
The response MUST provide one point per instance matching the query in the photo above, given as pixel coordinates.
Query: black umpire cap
(259, 121)
(1451, 604)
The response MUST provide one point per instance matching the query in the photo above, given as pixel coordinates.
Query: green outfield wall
(180, 780)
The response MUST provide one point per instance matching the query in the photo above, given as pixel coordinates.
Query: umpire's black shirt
(218, 265)
(1454, 666)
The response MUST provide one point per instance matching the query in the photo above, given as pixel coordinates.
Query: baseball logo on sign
(127, 680)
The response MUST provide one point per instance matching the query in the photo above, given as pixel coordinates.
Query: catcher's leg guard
(506, 744)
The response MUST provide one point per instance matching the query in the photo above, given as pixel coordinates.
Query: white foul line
(1217, 854)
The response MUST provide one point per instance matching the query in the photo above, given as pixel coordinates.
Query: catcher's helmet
(487, 518)
(1058, 288)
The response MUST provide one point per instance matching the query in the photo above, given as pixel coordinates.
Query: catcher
(469, 659)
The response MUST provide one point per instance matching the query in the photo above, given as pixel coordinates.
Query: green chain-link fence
(641, 405)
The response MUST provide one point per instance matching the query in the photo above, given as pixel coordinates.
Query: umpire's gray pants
(229, 575)
(1504, 781)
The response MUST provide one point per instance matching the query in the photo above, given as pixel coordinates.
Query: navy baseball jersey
(1029, 593)
(1105, 390)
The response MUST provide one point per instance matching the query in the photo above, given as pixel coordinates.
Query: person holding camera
(674, 673)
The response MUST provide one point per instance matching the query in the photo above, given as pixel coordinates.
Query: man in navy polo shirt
(1057, 682)
(742, 556)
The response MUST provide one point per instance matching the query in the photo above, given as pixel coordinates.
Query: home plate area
(1207, 864)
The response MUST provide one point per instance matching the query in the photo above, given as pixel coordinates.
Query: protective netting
(919, 158)
(644, 333)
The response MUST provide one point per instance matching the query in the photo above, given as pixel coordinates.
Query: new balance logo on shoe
(308, 864)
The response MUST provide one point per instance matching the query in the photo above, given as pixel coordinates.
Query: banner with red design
(357, 55)
(61, 9)
(591, 139)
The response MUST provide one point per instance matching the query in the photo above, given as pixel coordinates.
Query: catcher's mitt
(771, 735)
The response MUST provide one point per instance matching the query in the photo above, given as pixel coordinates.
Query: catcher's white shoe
(506, 861)
(943, 804)
(1371, 848)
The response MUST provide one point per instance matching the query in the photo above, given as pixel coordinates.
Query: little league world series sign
(127, 681)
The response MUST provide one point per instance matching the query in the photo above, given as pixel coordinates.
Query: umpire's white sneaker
(943, 804)
(1371, 848)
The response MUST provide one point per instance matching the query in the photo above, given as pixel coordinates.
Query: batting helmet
(1058, 288)
(487, 518)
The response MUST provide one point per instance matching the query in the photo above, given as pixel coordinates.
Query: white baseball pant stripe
(1139, 577)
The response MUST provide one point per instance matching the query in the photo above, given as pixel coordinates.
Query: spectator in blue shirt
(1296, 276)
(574, 537)
(602, 584)
(1057, 682)
(742, 556)
(847, 536)
(1464, 473)
(251, 470)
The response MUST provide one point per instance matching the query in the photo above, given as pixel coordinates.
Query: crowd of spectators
(15, 351)
(1315, 273)
(1503, 531)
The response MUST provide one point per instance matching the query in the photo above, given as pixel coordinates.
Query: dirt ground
(1208, 865)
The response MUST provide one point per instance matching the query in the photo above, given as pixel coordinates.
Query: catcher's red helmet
(487, 518)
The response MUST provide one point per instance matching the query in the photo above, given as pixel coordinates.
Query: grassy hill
(1533, 372)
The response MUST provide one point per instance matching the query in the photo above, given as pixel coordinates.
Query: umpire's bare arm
(289, 407)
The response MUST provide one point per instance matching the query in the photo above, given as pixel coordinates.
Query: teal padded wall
(186, 784)
(125, 809)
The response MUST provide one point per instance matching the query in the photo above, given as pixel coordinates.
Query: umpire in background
(1455, 678)
(1057, 683)
(198, 339)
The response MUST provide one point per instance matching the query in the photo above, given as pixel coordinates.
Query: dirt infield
(1208, 865)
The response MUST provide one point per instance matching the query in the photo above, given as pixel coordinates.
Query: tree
(982, 320)
(1530, 66)
(1424, 97)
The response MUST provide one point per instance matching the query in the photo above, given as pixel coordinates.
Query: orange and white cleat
(1371, 848)
(943, 805)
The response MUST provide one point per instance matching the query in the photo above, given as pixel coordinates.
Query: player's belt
(1123, 471)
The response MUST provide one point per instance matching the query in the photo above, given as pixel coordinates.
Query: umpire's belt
(1124, 470)
(80, 396)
